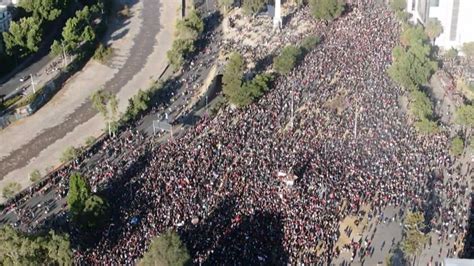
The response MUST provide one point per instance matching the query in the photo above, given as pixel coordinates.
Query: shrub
(10, 189)
(309, 43)
(103, 53)
(326, 9)
(35, 175)
(69, 154)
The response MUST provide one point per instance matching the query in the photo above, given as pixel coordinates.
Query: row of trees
(79, 31)
(412, 67)
(187, 31)
(45, 249)
(25, 35)
(320, 9)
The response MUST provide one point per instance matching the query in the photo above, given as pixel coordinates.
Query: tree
(287, 59)
(412, 66)
(326, 9)
(23, 38)
(412, 35)
(77, 31)
(433, 28)
(465, 115)
(179, 50)
(252, 7)
(233, 74)
(19, 249)
(79, 192)
(309, 43)
(414, 238)
(99, 101)
(398, 5)
(426, 127)
(420, 105)
(468, 50)
(457, 146)
(166, 250)
(94, 212)
(44, 9)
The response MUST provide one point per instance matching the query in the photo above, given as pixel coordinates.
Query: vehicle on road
(24, 78)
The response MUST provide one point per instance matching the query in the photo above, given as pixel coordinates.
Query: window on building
(434, 3)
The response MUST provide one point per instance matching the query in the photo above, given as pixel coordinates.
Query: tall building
(456, 17)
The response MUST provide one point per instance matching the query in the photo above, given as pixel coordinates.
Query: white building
(456, 17)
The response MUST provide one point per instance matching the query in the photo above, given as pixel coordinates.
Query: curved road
(143, 45)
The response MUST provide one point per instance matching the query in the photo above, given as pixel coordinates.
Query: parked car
(24, 78)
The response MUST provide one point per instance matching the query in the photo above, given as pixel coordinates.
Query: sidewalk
(68, 119)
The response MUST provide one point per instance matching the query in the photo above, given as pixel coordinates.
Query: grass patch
(69, 154)
(457, 146)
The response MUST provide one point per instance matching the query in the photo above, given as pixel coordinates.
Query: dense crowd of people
(347, 146)
(271, 183)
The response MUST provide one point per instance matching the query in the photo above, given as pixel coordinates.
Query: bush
(457, 146)
(69, 154)
(287, 59)
(10, 189)
(35, 175)
(103, 53)
(309, 43)
(90, 141)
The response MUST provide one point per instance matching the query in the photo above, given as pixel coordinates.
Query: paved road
(143, 46)
(41, 206)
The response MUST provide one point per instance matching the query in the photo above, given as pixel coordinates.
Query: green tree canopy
(326, 9)
(78, 30)
(166, 250)
(414, 238)
(420, 105)
(44, 9)
(412, 35)
(191, 23)
(233, 75)
(252, 7)
(433, 28)
(180, 48)
(94, 212)
(398, 5)
(309, 43)
(287, 59)
(23, 38)
(426, 127)
(79, 192)
(465, 115)
(412, 66)
(19, 249)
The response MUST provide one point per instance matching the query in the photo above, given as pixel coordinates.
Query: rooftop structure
(455, 17)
